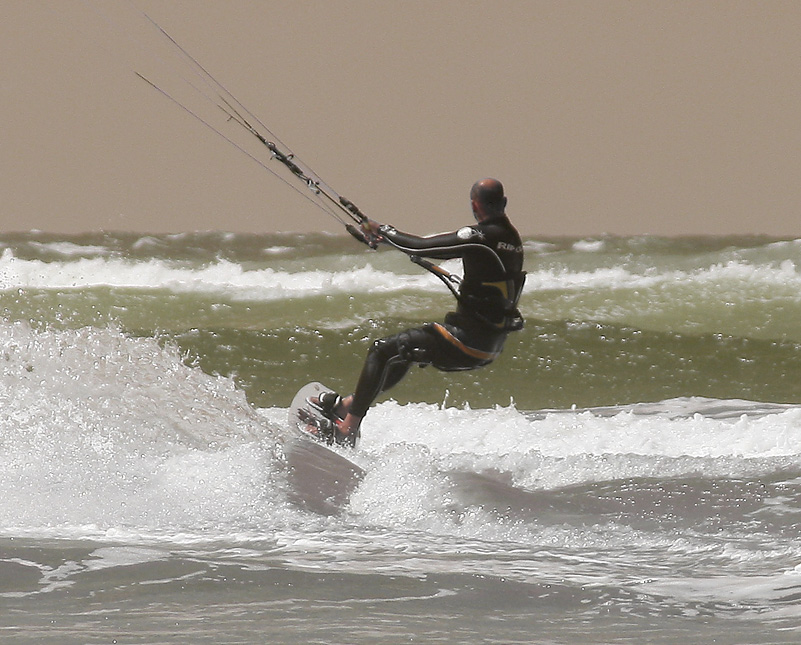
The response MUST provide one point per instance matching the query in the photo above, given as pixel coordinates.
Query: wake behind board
(320, 477)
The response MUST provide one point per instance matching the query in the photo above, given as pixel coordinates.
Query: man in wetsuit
(473, 335)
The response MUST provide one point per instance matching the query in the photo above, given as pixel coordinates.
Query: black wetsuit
(473, 335)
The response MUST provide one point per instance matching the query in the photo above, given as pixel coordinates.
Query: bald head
(488, 199)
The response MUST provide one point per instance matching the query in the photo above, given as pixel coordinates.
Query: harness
(510, 290)
(480, 354)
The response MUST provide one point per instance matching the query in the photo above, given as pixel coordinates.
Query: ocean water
(629, 471)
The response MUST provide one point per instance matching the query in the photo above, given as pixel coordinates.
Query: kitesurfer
(473, 336)
(487, 295)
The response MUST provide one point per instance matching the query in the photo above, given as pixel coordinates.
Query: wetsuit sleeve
(442, 246)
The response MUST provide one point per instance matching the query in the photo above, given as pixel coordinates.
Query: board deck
(304, 417)
(321, 478)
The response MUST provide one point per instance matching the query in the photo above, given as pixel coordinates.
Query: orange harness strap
(470, 351)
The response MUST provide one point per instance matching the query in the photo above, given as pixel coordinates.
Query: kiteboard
(309, 419)
(321, 477)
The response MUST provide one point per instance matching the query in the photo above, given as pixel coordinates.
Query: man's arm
(442, 246)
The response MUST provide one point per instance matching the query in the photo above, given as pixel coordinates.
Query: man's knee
(409, 346)
(383, 349)
(414, 348)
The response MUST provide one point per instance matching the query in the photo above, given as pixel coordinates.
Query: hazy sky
(622, 117)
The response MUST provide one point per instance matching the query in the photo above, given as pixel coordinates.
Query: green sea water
(609, 320)
(627, 471)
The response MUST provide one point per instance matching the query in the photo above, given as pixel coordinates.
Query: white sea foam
(540, 247)
(103, 434)
(278, 250)
(732, 274)
(589, 246)
(69, 249)
(220, 277)
(223, 276)
(560, 448)
(567, 447)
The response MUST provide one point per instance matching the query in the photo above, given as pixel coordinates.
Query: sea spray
(107, 431)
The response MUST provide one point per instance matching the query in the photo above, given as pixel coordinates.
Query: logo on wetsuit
(505, 246)
(469, 232)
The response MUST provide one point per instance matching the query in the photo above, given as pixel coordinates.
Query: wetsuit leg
(389, 360)
(387, 363)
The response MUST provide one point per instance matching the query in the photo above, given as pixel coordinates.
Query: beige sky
(599, 116)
